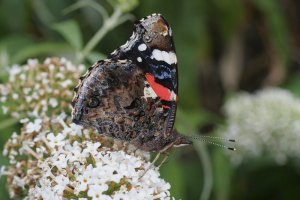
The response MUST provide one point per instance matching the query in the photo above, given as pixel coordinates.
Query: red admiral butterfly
(132, 95)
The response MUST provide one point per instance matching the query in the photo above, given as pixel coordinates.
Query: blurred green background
(223, 47)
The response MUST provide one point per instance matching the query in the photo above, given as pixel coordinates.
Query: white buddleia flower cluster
(39, 89)
(58, 160)
(265, 124)
(51, 158)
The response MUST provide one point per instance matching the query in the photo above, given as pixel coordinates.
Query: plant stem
(108, 25)
(203, 156)
(207, 170)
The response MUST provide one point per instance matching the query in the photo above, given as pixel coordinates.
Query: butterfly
(132, 95)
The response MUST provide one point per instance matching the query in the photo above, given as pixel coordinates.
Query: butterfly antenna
(212, 137)
(201, 138)
(205, 138)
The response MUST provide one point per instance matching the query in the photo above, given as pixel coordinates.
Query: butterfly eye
(93, 103)
(147, 38)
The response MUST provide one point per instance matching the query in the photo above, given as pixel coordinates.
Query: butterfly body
(132, 95)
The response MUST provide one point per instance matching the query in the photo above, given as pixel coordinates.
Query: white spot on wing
(139, 59)
(142, 47)
(170, 31)
(114, 52)
(128, 45)
(168, 57)
(173, 57)
(173, 96)
(123, 61)
(125, 45)
(157, 54)
(132, 36)
(149, 92)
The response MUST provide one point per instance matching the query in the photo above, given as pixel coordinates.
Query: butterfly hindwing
(132, 95)
(117, 100)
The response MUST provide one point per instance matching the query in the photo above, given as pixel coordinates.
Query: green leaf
(87, 3)
(223, 172)
(8, 122)
(71, 32)
(14, 42)
(37, 50)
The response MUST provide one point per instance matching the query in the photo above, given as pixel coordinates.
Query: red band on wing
(162, 92)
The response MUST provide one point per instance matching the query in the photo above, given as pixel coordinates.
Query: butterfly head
(181, 141)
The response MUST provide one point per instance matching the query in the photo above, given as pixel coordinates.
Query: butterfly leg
(152, 164)
(163, 160)
(156, 158)
(166, 156)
